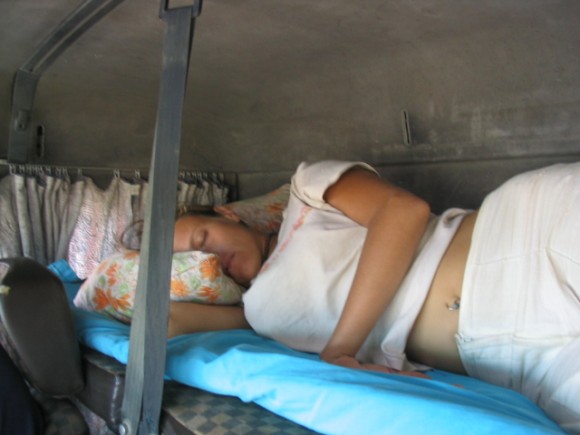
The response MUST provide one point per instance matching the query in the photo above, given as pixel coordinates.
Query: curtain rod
(143, 170)
(73, 168)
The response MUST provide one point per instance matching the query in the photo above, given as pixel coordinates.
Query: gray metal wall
(490, 87)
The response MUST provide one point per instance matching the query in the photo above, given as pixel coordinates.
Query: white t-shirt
(298, 296)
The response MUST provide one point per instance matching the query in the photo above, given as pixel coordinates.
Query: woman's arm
(188, 317)
(396, 221)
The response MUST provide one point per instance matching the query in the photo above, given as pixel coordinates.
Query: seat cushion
(36, 327)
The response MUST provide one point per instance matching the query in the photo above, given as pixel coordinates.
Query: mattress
(263, 375)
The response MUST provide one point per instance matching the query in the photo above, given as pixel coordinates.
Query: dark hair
(195, 210)
(132, 236)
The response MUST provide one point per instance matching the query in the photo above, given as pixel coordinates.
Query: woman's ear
(225, 212)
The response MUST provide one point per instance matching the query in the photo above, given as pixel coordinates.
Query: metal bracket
(406, 125)
(195, 8)
(21, 139)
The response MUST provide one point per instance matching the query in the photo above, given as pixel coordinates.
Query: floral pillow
(195, 277)
(263, 213)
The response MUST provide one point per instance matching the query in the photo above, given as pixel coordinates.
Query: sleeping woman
(362, 273)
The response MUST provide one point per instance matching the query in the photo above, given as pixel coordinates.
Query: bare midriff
(432, 339)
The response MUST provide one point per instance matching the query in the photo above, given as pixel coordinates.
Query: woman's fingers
(353, 363)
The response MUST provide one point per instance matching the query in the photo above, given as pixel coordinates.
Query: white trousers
(519, 325)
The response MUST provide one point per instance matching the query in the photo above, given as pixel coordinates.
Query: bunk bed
(132, 380)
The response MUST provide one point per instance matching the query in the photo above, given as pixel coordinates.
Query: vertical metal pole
(146, 366)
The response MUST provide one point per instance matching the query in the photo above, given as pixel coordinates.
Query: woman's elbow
(172, 327)
(413, 208)
(421, 208)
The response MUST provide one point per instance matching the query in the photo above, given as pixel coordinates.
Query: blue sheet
(320, 396)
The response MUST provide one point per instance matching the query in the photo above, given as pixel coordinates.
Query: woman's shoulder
(329, 168)
(312, 179)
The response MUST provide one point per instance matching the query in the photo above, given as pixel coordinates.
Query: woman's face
(239, 248)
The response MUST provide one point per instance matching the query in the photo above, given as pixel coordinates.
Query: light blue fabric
(323, 397)
(68, 277)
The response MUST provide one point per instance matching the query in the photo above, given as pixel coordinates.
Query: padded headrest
(37, 327)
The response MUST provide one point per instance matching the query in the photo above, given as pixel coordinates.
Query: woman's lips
(226, 263)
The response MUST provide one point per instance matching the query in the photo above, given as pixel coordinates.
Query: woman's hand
(353, 363)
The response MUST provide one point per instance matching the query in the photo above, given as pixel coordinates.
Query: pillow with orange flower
(195, 277)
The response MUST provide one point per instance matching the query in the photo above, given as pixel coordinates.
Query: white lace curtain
(48, 215)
